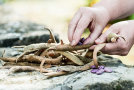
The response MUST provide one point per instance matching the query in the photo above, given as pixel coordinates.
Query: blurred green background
(54, 14)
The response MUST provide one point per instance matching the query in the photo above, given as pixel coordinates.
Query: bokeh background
(54, 14)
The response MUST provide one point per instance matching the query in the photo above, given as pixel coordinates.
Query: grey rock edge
(122, 78)
(23, 33)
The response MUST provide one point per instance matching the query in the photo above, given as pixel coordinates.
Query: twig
(51, 36)
(69, 69)
(35, 47)
(50, 61)
(26, 69)
(54, 74)
(97, 48)
(9, 59)
(72, 68)
(22, 69)
(61, 42)
(67, 47)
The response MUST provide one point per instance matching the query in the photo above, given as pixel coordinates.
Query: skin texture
(121, 47)
(96, 18)
(87, 17)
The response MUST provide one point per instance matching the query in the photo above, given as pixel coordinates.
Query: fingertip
(98, 41)
(76, 39)
(69, 36)
(92, 47)
(74, 42)
(70, 40)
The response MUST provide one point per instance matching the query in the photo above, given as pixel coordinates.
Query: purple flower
(94, 70)
(107, 70)
(100, 71)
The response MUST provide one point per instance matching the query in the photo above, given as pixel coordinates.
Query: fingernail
(73, 42)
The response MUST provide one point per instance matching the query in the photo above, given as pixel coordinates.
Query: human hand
(93, 18)
(121, 47)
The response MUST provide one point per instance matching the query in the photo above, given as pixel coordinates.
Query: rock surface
(122, 78)
(23, 33)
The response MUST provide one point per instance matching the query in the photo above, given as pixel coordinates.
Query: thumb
(103, 37)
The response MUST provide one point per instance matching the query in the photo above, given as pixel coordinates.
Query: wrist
(112, 8)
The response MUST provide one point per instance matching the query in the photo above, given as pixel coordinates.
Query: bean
(100, 71)
(94, 70)
(107, 70)
(93, 67)
(101, 67)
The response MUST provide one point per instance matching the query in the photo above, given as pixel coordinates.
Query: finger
(72, 25)
(81, 26)
(112, 53)
(104, 35)
(110, 47)
(113, 48)
(96, 32)
(92, 47)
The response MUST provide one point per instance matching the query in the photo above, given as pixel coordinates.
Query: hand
(93, 18)
(121, 47)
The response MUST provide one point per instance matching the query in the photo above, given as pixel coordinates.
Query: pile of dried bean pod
(53, 54)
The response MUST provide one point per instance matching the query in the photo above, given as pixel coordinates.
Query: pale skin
(96, 18)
